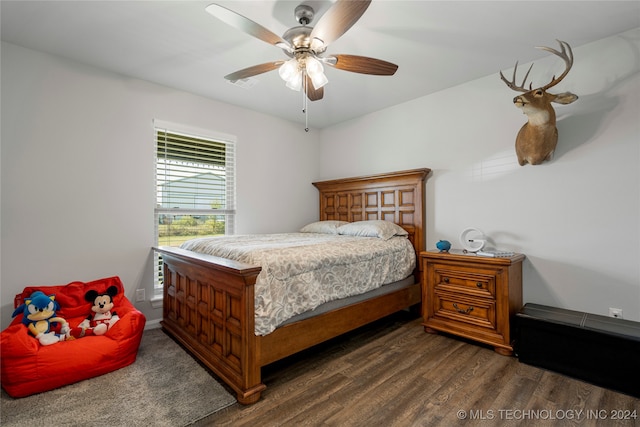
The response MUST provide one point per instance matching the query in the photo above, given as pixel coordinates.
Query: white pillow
(325, 227)
(374, 228)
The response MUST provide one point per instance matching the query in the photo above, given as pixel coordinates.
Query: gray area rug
(165, 386)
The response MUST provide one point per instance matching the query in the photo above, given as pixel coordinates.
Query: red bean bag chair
(27, 367)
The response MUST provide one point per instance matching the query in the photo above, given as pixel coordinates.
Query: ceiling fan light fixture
(295, 81)
(315, 70)
(313, 66)
(319, 80)
(289, 69)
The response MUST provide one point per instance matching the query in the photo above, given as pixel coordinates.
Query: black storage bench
(602, 350)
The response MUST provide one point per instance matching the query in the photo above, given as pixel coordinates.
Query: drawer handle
(459, 310)
(446, 280)
(479, 284)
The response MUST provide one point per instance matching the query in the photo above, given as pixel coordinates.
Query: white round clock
(472, 239)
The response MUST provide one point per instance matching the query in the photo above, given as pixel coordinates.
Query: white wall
(576, 218)
(78, 172)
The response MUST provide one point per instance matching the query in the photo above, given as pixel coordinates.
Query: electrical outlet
(140, 295)
(615, 312)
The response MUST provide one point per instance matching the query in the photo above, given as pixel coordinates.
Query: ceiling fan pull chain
(306, 115)
(305, 102)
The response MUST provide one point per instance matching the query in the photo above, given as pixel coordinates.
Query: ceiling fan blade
(312, 93)
(361, 64)
(338, 19)
(245, 24)
(253, 71)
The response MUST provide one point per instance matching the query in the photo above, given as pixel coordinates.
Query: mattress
(302, 271)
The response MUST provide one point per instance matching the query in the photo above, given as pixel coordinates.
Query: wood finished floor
(392, 373)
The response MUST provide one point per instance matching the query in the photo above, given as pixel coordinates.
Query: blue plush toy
(39, 313)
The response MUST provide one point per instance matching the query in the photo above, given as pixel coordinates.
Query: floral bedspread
(301, 271)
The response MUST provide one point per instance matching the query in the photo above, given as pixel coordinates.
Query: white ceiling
(436, 44)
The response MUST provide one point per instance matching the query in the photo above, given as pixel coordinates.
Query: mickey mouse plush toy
(102, 318)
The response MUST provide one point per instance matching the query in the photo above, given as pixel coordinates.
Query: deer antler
(566, 54)
(512, 84)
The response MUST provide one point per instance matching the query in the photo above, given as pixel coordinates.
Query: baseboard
(152, 324)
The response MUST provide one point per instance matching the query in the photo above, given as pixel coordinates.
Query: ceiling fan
(306, 46)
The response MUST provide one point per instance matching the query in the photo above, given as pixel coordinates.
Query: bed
(209, 301)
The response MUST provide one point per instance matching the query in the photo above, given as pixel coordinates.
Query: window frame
(229, 210)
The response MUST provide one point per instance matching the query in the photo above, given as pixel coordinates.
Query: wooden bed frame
(209, 301)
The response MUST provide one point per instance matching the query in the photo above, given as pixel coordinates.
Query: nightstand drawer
(479, 312)
(472, 284)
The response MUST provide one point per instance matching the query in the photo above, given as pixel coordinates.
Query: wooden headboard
(398, 197)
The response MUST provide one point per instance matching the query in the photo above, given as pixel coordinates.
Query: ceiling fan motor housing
(298, 37)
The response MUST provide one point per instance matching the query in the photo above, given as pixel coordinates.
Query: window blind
(194, 174)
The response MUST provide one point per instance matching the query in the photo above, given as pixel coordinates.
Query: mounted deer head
(537, 139)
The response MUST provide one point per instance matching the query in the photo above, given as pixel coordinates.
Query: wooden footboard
(209, 301)
(209, 307)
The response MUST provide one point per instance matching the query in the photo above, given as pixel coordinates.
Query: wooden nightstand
(472, 296)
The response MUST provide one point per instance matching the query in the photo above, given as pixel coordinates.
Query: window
(195, 187)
